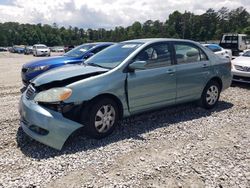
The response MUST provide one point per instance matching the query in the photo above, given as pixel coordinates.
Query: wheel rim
(105, 118)
(212, 95)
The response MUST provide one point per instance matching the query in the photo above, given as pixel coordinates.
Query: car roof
(39, 45)
(100, 43)
(150, 40)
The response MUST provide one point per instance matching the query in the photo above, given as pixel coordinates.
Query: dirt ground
(183, 146)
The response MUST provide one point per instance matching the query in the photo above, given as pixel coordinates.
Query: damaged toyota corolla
(127, 78)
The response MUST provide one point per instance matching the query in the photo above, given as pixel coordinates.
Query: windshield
(246, 54)
(80, 50)
(41, 47)
(114, 55)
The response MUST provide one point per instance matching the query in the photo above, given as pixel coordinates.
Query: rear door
(154, 86)
(192, 71)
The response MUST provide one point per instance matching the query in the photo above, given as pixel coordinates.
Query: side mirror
(241, 53)
(137, 65)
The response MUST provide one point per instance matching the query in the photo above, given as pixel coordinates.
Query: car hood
(243, 61)
(42, 49)
(52, 61)
(66, 75)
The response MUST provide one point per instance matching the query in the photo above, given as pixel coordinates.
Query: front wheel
(102, 119)
(210, 95)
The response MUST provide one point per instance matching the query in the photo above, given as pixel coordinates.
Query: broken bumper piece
(44, 125)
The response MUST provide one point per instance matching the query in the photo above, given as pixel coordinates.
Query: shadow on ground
(128, 128)
(241, 85)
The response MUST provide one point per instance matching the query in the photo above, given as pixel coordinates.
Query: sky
(104, 13)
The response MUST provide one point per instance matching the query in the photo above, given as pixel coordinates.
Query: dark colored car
(28, 50)
(75, 56)
(18, 49)
(68, 48)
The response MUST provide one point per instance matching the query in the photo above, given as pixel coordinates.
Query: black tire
(90, 118)
(214, 87)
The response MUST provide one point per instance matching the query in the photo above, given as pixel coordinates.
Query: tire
(210, 95)
(99, 123)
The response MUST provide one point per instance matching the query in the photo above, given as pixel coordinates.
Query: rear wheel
(210, 95)
(102, 119)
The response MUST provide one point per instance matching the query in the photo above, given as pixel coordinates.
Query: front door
(155, 86)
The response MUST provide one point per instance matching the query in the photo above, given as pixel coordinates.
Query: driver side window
(157, 55)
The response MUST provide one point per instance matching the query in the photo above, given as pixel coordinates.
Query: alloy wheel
(212, 95)
(105, 118)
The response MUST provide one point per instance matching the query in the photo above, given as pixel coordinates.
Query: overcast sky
(104, 13)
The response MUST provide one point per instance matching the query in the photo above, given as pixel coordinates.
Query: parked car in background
(127, 78)
(241, 68)
(68, 48)
(41, 50)
(18, 49)
(75, 56)
(28, 50)
(3, 49)
(227, 53)
(234, 41)
(57, 49)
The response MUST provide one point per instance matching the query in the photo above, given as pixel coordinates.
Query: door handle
(170, 71)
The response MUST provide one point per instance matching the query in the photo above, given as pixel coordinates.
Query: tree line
(208, 26)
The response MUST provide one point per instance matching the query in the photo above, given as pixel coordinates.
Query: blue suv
(74, 56)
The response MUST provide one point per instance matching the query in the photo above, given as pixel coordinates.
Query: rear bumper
(44, 125)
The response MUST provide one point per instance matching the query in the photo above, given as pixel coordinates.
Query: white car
(41, 50)
(227, 53)
(241, 68)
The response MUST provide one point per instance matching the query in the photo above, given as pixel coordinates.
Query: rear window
(188, 53)
(231, 38)
(41, 47)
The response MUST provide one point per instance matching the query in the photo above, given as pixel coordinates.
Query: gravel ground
(183, 146)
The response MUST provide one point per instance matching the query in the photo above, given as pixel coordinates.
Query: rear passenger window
(157, 55)
(98, 49)
(186, 53)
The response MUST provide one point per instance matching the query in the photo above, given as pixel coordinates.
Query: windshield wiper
(96, 65)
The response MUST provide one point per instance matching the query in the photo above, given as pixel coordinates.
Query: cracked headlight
(53, 95)
(40, 68)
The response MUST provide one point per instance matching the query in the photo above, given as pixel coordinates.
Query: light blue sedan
(127, 78)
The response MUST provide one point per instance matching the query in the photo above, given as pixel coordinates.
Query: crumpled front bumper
(56, 127)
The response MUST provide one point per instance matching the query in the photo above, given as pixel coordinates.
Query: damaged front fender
(56, 128)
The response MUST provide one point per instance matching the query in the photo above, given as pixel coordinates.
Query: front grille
(24, 70)
(30, 92)
(242, 68)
